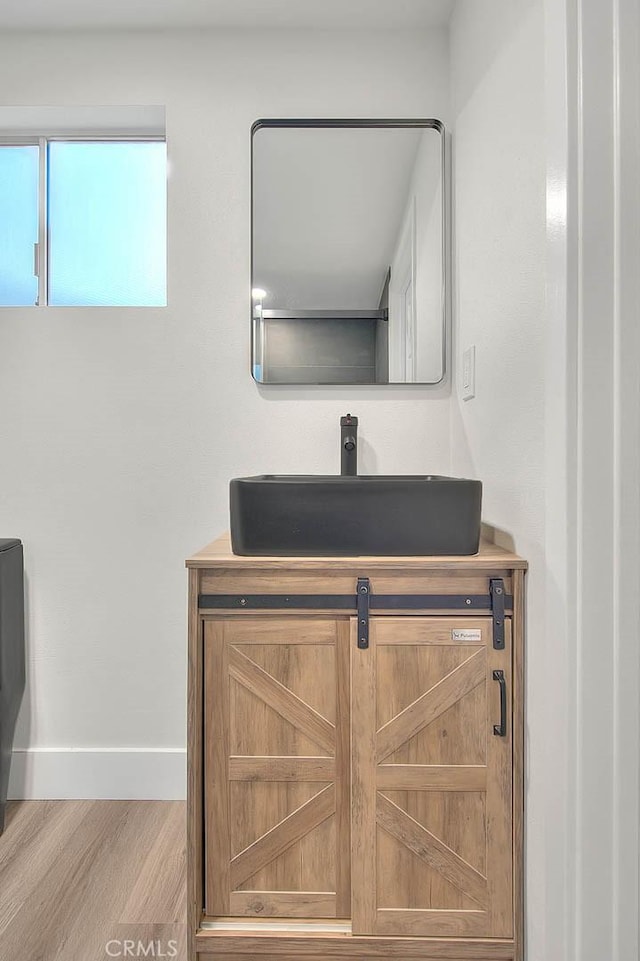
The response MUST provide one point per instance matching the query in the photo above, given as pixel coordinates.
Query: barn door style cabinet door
(355, 757)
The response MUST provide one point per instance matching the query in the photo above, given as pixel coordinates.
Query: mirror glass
(348, 242)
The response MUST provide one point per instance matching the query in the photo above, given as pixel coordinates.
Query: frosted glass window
(18, 225)
(107, 223)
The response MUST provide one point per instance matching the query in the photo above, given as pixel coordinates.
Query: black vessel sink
(320, 515)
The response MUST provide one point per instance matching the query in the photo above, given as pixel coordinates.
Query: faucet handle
(348, 421)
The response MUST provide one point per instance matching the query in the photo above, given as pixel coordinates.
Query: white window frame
(41, 248)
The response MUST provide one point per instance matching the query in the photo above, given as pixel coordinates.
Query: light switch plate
(469, 373)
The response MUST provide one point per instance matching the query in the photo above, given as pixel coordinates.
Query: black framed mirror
(349, 251)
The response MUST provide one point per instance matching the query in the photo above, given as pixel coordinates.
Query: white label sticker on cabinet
(468, 635)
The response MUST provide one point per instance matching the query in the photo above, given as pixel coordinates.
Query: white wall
(498, 77)
(119, 429)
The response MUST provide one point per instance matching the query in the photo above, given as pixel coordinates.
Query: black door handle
(501, 728)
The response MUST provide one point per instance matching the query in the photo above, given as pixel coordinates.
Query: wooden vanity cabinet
(355, 796)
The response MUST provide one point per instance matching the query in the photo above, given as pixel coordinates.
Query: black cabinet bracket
(362, 610)
(496, 590)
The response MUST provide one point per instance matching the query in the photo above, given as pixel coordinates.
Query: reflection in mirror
(348, 252)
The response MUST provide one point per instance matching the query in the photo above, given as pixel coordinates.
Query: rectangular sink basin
(323, 516)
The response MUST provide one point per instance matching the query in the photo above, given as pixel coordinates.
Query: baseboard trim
(103, 773)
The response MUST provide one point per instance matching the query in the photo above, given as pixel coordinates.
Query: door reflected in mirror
(349, 236)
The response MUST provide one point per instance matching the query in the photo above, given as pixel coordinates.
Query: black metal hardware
(496, 589)
(347, 602)
(501, 728)
(349, 446)
(277, 602)
(363, 600)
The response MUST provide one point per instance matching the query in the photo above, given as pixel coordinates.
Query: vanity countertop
(218, 554)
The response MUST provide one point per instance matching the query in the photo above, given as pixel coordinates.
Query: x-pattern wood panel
(278, 697)
(279, 768)
(441, 696)
(434, 797)
(431, 704)
(432, 850)
(276, 841)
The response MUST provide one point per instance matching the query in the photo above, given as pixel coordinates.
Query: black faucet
(348, 446)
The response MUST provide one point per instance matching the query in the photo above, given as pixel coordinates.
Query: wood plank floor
(89, 880)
